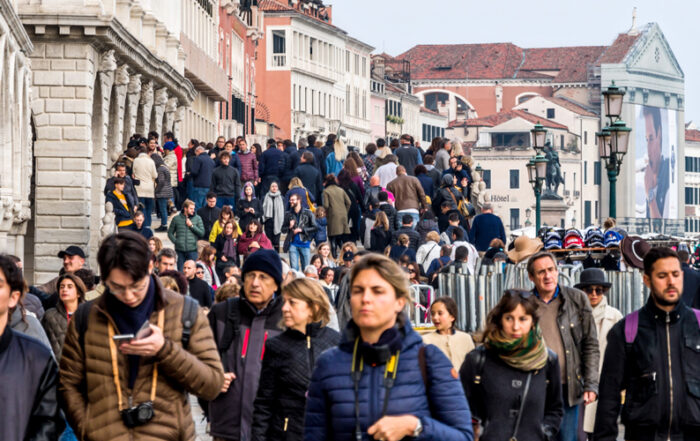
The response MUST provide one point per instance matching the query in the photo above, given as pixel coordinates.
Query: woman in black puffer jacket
(289, 360)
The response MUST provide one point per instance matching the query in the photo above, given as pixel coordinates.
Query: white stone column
(146, 105)
(121, 83)
(133, 96)
(178, 121)
(170, 109)
(161, 99)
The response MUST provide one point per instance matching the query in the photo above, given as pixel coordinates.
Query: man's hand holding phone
(147, 341)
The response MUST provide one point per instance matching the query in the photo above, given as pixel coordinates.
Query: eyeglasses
(412, 271)
(599, 290)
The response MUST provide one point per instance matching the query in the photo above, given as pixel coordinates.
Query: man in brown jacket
(133, 389)
(409, 196)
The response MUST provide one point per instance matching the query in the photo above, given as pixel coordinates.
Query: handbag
(461, 205)
(312, 207)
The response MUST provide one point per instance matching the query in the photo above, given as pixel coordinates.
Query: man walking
(407, 154)
(135, 388)
(226, 182)
(566, 319)
(199, 289)
(28, 394)
(486, 227)
(300, 226)
(185, 229)
(201, 173)
(273, 162)
(310, 176)
(209, 213)
(408, 195)
(145, 175)
(241, 327)
(653, 355)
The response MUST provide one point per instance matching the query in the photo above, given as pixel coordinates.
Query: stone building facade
(101, 71)
(15, 130)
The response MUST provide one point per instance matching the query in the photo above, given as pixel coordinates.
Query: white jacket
(144, 170)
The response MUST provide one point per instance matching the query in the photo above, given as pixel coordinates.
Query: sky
(394, 26)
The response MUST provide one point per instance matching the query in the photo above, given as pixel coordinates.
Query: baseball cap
(348, 256)
(72, 250)
(612, 239)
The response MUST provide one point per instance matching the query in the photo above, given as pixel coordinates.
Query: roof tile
(501, 117)
(692, 135)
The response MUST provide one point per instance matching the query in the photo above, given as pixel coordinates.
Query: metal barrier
(476, 295)
(418, 310)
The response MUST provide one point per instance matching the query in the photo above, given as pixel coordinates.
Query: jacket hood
(447, 180)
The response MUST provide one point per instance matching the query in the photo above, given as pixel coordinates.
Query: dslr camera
(138, 415)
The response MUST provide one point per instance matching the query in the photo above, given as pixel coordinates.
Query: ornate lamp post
(613, 140)
(537, 172)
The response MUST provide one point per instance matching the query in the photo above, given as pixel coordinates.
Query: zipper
(670, 373)
(310, 353)
(286, 422)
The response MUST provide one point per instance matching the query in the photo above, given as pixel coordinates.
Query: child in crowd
(321, 224)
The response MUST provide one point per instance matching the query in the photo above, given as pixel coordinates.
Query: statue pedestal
(553, 211)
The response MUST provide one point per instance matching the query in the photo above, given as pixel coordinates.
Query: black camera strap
(390, 370)
(115, 366)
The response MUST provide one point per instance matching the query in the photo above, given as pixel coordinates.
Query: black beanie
(266, 261)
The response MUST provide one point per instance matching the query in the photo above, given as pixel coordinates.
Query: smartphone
(144, 331)
(123, 337)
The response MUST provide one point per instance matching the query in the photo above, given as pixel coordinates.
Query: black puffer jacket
(286, 374)
(29, 389)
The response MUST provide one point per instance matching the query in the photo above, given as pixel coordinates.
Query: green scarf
(526, 353)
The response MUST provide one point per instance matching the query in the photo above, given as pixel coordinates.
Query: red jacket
(249, 166)
(178, 154)
(244, 242)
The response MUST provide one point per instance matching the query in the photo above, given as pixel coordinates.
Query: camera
(138, 415)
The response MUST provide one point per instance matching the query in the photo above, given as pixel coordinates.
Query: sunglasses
(597, 290)
(199, 272)
(518, 292)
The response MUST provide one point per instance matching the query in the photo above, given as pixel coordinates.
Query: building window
(550, 113)
(514, 218)
(585, 172)
(596, 173)
(597, 216)
(278, 49)
(587, 214)
(357, 64)
(585, 138)
(347, 61)
(487, 178)
(515, 179)
(561, 141)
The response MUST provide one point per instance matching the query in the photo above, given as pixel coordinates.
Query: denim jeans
(568, 431)
(296, 253)
(184, 256)
(221, 201)
(400, 215)
(200, 196)
(162, 210)
(147, 210)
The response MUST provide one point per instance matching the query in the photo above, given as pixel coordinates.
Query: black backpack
(189, 317)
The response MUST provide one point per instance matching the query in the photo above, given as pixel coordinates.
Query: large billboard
(656, 163)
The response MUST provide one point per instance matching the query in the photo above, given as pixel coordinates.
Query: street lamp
(537, 173)
(613, 140)
(539, 135)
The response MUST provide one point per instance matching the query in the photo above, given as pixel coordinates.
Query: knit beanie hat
(266, 261)
(169, 145)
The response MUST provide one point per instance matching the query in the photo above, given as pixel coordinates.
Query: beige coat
(455, 346)
(144, 170)
(605, 316)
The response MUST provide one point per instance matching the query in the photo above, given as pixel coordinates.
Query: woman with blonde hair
(289, 361)
(226, 215)
(373, 384)
(155, 245)
(336, 159)
(380, 235)
(296, 187)
(347, 246)
(429, 251)
(324, 250)
(207, 259)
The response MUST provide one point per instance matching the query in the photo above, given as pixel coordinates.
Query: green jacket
(183, 237)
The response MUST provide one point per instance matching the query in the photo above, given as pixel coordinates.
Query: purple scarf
(229, 247)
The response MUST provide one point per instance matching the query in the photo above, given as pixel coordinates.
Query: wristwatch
(418, 430)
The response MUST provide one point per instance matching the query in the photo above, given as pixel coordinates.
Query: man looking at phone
(115, 388)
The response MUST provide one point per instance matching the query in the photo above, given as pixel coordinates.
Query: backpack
(189, 316)
(231, 326)
(632, 324)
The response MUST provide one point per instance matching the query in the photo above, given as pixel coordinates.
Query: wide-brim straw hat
(524, 247)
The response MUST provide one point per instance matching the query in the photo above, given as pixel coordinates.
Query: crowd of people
(281, 307)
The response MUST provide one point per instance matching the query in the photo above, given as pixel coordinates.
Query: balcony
(316, 69)
(279, 60)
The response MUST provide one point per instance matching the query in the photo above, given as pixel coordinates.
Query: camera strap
(390, 369)
(115, 367)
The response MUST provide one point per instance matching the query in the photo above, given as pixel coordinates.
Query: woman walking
(226, 245)
(356, 206)
(71, 293)
(248, 207)
(273, 214)
(336, 159)
(289, 361)
(380, 235)
(337, 205)
(253, 239)
(513, 382)
(373, 385)
(454, 343)
(163, 191)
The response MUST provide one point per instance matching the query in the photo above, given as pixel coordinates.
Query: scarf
(229, 247)
(599, 312)
(273, 208)
(526, 353)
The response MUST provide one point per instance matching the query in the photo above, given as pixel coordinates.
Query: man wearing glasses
(567, 324)
(595, 286)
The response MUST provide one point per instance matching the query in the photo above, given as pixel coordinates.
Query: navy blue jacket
(330, 410)
(201, 171)
(485, 228)
(292, 162)
(427, 183)
(272, 162)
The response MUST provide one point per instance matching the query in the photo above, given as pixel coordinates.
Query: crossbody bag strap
(428, 254)
(522, 407)
(115, 367)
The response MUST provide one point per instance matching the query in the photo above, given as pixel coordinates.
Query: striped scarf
(526, 353)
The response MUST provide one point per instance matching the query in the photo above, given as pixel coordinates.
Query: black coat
(209, 215)
(200, 291)
(286, 373)
(379, 239)
(29, 389)
(691, 285)
(496, 399)
(311, 178)
(245, 218)
(226, 182)
(305, 220)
